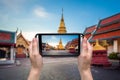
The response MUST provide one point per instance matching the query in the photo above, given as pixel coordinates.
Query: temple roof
(7, 38)
(20, 35)
(105, 36)
(89, 30)
(110, 19)
(108, 28)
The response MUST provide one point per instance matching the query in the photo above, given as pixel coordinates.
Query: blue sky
(54, 40)
(32, 16)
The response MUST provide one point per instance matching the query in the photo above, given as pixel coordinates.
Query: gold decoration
(104, 43)
(98, 46)
(60, 46)
(62, 28)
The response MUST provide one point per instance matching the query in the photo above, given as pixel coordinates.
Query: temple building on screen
(107, 32)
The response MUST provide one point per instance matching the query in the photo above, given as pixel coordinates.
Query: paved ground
(58, 52)
(57, 69)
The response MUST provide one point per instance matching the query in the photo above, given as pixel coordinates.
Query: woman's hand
(36, 60)
(84, 60)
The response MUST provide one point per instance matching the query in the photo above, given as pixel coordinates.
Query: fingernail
(34, 39)
(85, 38)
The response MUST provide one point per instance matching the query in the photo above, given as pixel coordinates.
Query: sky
(54, 40)
(43, 16)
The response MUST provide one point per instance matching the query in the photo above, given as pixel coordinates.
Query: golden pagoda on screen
(60, 45)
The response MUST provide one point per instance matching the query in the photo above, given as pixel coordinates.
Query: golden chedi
(62, 28)
(60, 45)
(98, 46)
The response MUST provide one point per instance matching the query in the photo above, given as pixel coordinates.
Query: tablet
(54, 44)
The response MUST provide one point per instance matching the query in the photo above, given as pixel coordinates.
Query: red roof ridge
(20, 34)
(111, 16)
(91, 26)
(103, 21)
(89, 31)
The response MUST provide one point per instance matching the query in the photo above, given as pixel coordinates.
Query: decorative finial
(62, 10)
(62, 13)
(21, 31)
(17, 30)
(97, 43)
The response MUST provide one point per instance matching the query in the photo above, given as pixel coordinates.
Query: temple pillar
(115, 46)
(119, 45)
(12, 53)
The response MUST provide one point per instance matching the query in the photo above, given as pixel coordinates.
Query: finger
(30, 49)
(35, 46)
(84, 45)
(90, 48)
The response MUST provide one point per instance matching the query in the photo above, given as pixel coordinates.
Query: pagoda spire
(62, 28)
(60, 45)
(60, 41)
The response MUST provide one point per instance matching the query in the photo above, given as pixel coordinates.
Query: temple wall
(110, 49)
(115, 46)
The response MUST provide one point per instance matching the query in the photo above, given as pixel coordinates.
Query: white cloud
(41, 12)
(30, 35)
(54, 44)
(53, 38)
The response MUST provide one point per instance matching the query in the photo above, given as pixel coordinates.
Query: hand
(84, 60)
(36, 60)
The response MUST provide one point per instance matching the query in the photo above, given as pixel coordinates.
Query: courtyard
(56, 68)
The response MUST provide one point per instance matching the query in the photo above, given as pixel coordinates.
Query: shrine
(107, 32)
(21, 46)
(7, 47)
(99, 56)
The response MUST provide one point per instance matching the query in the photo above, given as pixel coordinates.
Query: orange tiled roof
(110, 19)
(90, 29)
(108, 28)
(87, 36)
(109, 35)
(20, 35)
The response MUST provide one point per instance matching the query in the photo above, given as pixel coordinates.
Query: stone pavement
(56, 69)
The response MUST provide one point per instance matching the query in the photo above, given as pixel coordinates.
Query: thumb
(84, 46)
(35, 46)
